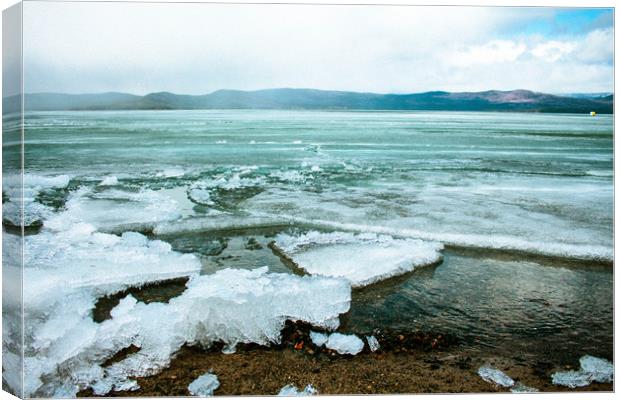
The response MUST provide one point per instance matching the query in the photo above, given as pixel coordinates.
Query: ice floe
(216, 222)
(493, 375)
(361, 258)
(499, 242)
(291, 390)
(593, 369)
(204, 385)
(344, 344)
(140, 210)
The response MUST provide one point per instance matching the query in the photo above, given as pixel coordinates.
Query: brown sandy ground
(414, 362)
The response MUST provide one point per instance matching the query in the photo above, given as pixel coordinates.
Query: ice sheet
(140, 210)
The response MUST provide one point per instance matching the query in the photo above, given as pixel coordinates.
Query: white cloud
(596, 47)
(495, 51)
(552, 50)
(199, 48)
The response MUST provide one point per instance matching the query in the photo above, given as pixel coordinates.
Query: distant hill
(311, 99)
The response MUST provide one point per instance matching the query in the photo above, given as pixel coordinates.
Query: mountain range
(312, 99)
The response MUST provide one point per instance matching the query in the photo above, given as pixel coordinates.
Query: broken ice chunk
(344, 344)
(373, 343)
(318, 338)
(493, 375)
(521, 388)
(593, 369)
(229, 349)
(129, 385)
(204, 385)
(600, 370)
(291, 390)
(571, 379)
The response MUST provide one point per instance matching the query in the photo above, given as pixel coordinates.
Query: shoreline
(406, 363)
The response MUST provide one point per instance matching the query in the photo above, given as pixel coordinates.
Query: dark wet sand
(417, 362)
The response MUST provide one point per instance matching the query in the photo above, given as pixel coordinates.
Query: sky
(199, 48)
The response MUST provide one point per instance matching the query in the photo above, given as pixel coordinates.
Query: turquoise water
(540, 183)
(523, 204)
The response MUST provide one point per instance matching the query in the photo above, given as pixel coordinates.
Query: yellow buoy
(593, 113)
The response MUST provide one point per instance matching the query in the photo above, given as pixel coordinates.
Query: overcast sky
(199, 48)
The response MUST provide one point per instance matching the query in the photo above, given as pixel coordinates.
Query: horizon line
(307, 88)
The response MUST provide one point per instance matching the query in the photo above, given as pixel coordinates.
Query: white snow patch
(493, 375)
(291, 390)
(363, 259)
(204, 385)
(345, 344)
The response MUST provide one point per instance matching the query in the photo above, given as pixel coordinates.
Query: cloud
(496, 51)
(199, 48)
(596, 47)
(552, 50)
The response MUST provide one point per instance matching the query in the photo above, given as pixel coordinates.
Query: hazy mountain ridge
(313, 99)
